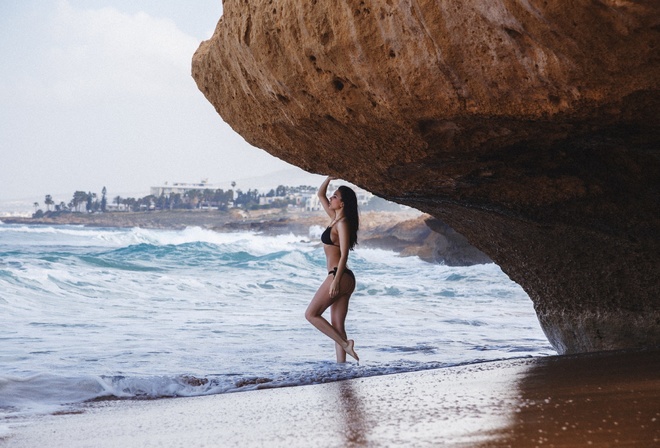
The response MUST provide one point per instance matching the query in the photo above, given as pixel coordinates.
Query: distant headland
(281, 210)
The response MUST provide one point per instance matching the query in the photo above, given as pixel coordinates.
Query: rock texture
(531, 127)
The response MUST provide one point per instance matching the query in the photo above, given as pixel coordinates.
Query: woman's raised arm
(323, 196)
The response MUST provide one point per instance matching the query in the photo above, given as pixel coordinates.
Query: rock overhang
(530, 129)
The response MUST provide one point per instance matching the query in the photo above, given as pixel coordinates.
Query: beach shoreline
(603, 399)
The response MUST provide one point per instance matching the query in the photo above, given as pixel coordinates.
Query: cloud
(102, 97)
(99, 54)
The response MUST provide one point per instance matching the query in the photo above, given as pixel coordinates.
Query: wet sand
(599, 400)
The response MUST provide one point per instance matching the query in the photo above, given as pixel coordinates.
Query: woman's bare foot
(349, 349)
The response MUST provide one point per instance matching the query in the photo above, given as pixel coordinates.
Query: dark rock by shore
(428, 238)
(408, 233)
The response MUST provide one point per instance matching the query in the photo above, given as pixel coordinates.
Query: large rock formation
(531, 127)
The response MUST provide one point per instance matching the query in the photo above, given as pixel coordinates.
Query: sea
(105, 313)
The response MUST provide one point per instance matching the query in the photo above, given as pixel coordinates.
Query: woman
(338, 239)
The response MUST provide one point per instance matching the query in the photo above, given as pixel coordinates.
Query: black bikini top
(325, 237)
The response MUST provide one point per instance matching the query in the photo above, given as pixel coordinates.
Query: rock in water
(530, 127)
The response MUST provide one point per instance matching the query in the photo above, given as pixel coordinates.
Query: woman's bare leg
(317, 307)
(338, 312)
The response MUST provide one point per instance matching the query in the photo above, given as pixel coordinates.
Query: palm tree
(207, 196)
(79, 197)
(175, 200)
(48, 201)
(104, 201)
(92, 203)
(193, 197)
(36, 206)
(149, 201)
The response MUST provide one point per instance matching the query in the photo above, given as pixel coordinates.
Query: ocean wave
(252, 241)
(51, 230)
(141, 306)
(149, 257)
(113, 237)
(48, 393)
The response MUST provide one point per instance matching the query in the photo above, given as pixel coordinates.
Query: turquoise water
(132, 313)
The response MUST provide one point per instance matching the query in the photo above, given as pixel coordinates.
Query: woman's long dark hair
(349, 199)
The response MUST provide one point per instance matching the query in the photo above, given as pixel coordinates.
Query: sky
(98, 93)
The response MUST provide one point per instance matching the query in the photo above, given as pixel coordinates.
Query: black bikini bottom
(346, 271)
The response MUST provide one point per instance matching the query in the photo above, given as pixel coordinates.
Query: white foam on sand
(379, 410)
(525, 402)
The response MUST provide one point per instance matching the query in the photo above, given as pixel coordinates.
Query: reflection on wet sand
(411, 410)
(607, 399)
(354, 429)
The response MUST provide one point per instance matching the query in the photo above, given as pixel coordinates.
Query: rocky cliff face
(531, 127)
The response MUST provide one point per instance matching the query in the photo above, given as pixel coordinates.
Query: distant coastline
(408, 232)
(282, 210)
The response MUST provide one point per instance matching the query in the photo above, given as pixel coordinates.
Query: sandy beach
(600, 400)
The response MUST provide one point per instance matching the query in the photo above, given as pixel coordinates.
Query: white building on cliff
(182, 187)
